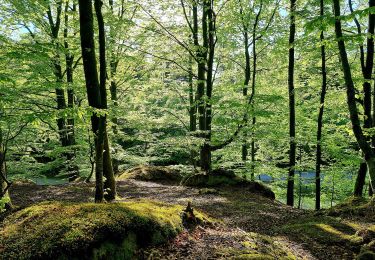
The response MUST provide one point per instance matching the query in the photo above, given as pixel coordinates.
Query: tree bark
(110, 182)
(320, 116)
(292, 116)
(209, 31)
(360, 180)
(113, 64)
(93, 89)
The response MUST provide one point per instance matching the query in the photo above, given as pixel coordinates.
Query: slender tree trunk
(93, 89)
(320, 117)
(209, 32)
(245, 90)
(192, 110)
(192, 105)
(110, 182)
(69, 59)
(113, 64)
(253, 85)
(351, 98)
(292, 116)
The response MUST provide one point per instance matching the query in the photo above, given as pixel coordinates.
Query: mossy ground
(87, 230)
(246, 221)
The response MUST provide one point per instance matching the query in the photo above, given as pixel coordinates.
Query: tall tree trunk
(69, 59)
(351, 98)
(320, 116)
(209, 33)
(113, 64)
(367, 63)
(110, 182)
(201, 57)
(253, 85)
(246, 88)
(93, 89)
(54, 26)
(292, 116)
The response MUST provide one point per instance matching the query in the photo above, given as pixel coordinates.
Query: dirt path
(252, 226)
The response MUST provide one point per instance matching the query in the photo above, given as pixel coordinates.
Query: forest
(187, 129)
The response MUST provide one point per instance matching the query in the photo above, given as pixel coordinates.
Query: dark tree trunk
(292, 116)
(351, 98)
(360, 181)
(110, 182)
(320, 117)
(246, 88)
(93, 89)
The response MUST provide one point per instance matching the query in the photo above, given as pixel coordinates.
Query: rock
(152, 173)
(219, 178)
(261, 189)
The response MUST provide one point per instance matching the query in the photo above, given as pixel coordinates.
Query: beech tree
(358, 131)
(292, 116)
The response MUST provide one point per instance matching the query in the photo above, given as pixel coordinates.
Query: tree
(292, 116)
(367, 64)
(320, 116)
(351, 97)
(95, 94)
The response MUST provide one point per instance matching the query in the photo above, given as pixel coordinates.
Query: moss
(328, 230)
(87, 230)
(152, 173)
(354, 207)
(211, 180)
(256, 246)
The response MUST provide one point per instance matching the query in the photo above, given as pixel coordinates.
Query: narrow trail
(247, 223)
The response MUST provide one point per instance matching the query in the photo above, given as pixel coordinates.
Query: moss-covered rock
(88, 230)
(152, 173)
(354, 207)
(220, 178)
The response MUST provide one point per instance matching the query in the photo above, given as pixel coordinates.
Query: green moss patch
(256, 246)
(87, 230)
(355, 207)
(152, 173)
(325, 230)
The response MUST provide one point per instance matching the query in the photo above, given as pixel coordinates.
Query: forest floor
(246, 222)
